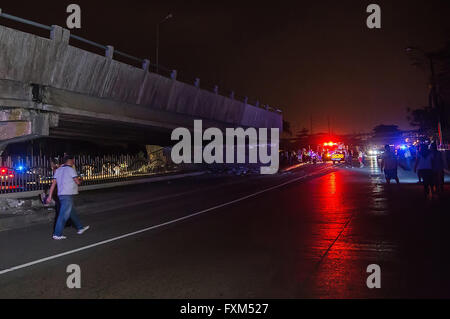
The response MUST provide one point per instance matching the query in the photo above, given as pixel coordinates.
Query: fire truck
(333, 152)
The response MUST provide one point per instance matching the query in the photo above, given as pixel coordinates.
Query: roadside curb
(19, 221)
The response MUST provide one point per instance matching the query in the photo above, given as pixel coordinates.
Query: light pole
(434, 92)
(169, 16)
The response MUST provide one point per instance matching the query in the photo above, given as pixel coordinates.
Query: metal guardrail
(104, 47)
(32, 173)
(25, 21)
(95, 44)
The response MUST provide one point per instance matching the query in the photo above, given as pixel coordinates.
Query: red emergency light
(330, 144)
(4, 171)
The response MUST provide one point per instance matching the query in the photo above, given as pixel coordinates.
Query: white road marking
(70, 252)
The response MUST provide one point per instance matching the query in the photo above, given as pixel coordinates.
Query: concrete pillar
(109, 52)
(59, 34)
(232, 95)
(19, 123)
(173, 75)
(197, 83)
(146, 65)
(246, 100)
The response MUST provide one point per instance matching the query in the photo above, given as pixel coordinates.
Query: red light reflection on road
(334, 207)
(330, 195)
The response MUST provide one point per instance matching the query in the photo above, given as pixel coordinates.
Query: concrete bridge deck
(51, 88)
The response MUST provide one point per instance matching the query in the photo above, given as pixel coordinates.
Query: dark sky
(310, 58)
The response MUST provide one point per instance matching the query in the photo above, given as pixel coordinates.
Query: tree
(437, 64)
(386, 130)
(425, 119)
(386, 134)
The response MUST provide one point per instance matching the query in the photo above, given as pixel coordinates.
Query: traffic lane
(135, 192)
(420, 227)
(33, 243)
(262, 247)
(172, 189)
(366, 239)
(406, 235)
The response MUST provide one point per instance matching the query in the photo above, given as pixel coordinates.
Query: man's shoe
(59, 237)
(82, 230)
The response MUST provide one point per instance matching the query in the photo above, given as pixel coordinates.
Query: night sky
(310, 58)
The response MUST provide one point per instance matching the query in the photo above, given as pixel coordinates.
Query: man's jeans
(66, 211)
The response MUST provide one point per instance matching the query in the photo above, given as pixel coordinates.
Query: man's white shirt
(65, 180)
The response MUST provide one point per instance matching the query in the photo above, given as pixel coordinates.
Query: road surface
(307, 233)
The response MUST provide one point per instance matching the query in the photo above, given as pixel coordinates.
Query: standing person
(418, 172)
(424, 167)
(438, 169)
(350, 158)
(408, 158)
(300, 156)
(389, 165)
(67, 181)
(54, 165)
(360, 159)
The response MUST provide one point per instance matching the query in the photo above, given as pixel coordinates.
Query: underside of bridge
(104, 131)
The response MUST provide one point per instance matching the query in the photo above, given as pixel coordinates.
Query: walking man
(67, 181)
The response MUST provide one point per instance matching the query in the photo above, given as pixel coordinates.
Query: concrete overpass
(49, 87)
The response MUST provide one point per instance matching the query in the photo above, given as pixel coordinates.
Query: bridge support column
(19, 125)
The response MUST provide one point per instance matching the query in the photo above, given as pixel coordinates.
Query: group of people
(64, 187)
(350, 155)
(310, 156)
(301, 156)
(429, 166)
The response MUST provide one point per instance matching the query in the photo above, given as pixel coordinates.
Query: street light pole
(434, 92)
(169, 16)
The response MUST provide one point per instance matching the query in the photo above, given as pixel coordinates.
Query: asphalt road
(307, 233)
